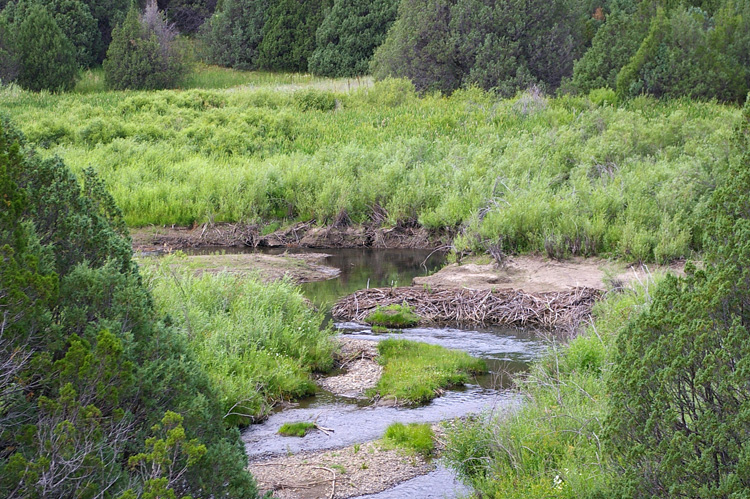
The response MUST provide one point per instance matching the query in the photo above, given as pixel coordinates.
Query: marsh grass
(258, 341)
(571, 178)
(550, 446)
(416, 372)
(414, 437)
(393, 316)
(299, 429)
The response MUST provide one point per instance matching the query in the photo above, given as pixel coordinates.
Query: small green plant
(356, 448)
(417, 437)
(299, 429)
(398, 316)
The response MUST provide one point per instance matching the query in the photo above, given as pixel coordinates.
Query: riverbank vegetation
(415, 372)
(414, 437)
(651, 401)
(565, 176)
(257, 341)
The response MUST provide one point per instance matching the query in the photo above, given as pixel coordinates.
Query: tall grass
(550, 447)
(416, 372)
(563, 176)
(257, 341)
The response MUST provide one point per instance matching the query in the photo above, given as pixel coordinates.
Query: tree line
(664, 48)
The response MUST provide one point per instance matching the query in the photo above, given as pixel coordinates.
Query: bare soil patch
(303, 234)
(534, 274)
(362, 372)
(352, 471)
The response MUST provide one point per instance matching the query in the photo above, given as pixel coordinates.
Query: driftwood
(467, 306)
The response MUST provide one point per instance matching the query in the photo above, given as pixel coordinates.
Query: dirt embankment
(535, 274)
(303, 235)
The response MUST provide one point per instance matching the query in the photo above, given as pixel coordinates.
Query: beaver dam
(468, 306)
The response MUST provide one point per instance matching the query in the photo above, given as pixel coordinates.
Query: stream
(506, 350)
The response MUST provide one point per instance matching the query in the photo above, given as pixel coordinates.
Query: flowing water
(506, 350)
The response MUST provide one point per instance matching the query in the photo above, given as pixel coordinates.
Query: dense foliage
(680, 390)
(349, 35)
(289, 34)
(98, 394)
(143, 53)
(566, 176)
(234, 33)
(502, 45)
(257, 341)
(40, 55)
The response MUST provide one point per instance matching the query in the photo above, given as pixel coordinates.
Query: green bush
(315, 100)
(289, 34)
(92, 368)
(349, 35)
(143, 53)
(445, 44)
(46, 57)
(679, 391)
(234, 33)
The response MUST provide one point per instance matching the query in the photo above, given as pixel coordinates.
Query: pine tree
(349, 35)
(289, 34)
(46, 56)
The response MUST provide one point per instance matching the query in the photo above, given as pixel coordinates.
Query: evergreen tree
(9, 57)
(142, 54)
(88, 370)
(79, 26)
(108, 14)
(680, 389)
(349, 35)
(419, 47)
(46, 57)
(234, 32)
(289, 34)
(188, 15)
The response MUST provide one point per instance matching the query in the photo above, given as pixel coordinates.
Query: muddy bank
(348, 472)
(303, 235)
(468, 306)
(535, 274)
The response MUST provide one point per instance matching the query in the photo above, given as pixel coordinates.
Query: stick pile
(467, 306)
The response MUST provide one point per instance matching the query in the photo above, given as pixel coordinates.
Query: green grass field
(560, 175)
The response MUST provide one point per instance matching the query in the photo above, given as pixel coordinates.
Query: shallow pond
(506, 350)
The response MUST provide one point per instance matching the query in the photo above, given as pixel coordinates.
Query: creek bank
(339, 473)
(298, 267)
(535, 274)
(302, 234)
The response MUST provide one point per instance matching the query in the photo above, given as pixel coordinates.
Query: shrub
(143, 54)
(46, 57)
(501, 45)
(349, 35)
(289, 34)
(79, 26)
(678, 420)
(315, 100)
(234, 33)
